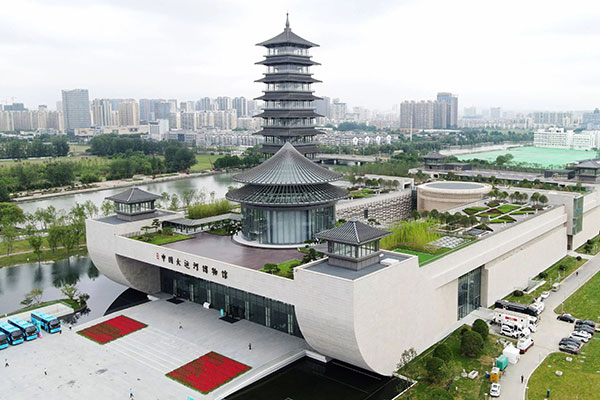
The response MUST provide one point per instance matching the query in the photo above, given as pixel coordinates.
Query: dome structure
(287, 199)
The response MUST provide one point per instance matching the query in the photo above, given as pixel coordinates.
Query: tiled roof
(287, 195)
(352, 232)
(133, 195)
(287, 167)
(287, 37)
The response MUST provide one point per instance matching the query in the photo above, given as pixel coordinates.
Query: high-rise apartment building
(204, 104)
(224, 103)
(323, 106)
(240, 104)
(189, 121)
(76, 109)
(495, 113)
(129, 113)
(101, 112)
(338, 110)
(417, 114)
(451, 101)
(187, 106)
(591, 120)
(162, 109)
(147, 109)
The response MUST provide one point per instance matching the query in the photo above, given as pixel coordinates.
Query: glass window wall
(234, 302)
(469, 292)
(281, 226)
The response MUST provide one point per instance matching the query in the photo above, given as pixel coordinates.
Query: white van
(524, 344)
(556, 287)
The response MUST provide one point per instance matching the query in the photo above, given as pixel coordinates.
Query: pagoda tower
(288, 112)
(287, 199)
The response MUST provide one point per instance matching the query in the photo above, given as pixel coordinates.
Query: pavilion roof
(133, 195)
(352, 232)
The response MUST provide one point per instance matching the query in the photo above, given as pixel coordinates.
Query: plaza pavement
(79, 368)
(548, 334)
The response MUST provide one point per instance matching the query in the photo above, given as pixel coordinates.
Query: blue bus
(13, 334)
(29, 330)
(3, 341)
(45, 321)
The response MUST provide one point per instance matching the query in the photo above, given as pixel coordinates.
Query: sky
(519, 55)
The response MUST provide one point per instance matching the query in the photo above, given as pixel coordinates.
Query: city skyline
(191, 50)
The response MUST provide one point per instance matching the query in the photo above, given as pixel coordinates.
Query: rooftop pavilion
(353, 245)
(134, 204)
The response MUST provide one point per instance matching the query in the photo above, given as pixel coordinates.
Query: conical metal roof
(287, 195)
(287, 167)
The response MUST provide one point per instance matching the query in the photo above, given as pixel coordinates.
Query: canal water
(17, 281)
(217, 183)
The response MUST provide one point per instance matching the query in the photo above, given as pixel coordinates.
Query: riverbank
(121, 183)
(24, 257)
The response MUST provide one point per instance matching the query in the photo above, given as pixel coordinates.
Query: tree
(107, 207)
(188, 196)
(33, 297)
(34, 241)
(11, 213)
(156, 224)
(535, 197)
(45, 216)
(53, 238)
(471, 343)
(271, 268)
(543, 199)
(174, 202)
(415, 214)
(443, 351)
(82, 298)
(60, 174)
(406, 357)
(9, 234)
(91, 209)
(435, 369)
(481, 327)
(70, 291)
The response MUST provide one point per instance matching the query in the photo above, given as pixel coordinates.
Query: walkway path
(548, 334)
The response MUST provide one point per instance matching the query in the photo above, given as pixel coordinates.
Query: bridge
(348, 159)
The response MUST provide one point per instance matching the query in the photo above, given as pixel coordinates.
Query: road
(548, 334)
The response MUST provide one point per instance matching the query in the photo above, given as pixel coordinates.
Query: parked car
(495, 390)
(580, 336)
(566, 317)
(585, 328)
(569, 348)
(571, 341)
(514, 331)
(586, 322)
(524, 344)
(545, 295)
(555, 287)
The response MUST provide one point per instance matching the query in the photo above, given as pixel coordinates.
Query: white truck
(512, 318)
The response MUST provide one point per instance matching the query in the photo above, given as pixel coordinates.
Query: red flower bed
(112, 329)
(208, 372)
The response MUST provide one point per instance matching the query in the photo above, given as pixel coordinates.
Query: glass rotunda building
(287, 199)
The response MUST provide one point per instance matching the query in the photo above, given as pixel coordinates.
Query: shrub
(518, 293)
(578, 258)
(439, 394)
(471, 344)
(271, 268)
(481, 327)
(463, 330)
(414, 235)
(443, 352)
(435, 368)
(209, 210)
(543, 275)
(562, 268)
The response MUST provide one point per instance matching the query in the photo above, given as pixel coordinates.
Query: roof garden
(434, 235)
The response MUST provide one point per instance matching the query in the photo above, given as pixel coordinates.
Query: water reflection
(17, 281)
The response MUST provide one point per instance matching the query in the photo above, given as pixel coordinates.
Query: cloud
(534, 54)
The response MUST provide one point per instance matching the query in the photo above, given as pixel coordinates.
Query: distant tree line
(110, 145)
(237, 162)
(43, 146)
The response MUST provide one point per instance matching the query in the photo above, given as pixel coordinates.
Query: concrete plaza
(79, 368)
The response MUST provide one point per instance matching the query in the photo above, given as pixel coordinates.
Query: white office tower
(76, 109)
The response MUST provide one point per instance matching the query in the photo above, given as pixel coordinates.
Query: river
(218, 183)
(17, 281)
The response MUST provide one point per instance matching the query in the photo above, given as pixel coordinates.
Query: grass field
(594, 247)
(204, 162)
(468, 389)
(580, 379)
(554, 275)
(71, 303)
(423, 257)
(585, 303)
(88, 160)
(534, 156)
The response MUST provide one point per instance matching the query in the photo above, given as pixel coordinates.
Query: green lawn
(554, 275)
(585, 303)
(423, 257)
(468, 389)
(580, 379)
(594, 247)
(161, 238)
(506, 208)
(204, 162)
(71, 303)
(286, 267)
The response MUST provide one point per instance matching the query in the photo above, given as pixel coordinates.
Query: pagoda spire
(287, 21)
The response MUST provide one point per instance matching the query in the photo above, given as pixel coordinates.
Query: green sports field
(535, 156)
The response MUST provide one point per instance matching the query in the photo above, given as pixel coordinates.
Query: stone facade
(385, 209)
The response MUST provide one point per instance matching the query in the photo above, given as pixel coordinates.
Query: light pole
(526, 392)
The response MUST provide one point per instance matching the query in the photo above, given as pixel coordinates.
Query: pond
(17, 281)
